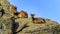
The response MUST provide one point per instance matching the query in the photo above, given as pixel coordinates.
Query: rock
(36, 28)
(5, 16)
(24, 25)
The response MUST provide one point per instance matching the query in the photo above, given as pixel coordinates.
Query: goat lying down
(38, 20)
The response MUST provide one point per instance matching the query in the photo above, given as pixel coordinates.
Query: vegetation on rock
(23, 24)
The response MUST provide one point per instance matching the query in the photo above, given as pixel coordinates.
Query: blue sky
(41, 8)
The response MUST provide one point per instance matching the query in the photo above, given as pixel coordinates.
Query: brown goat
(14, 9)
(21, 14)
(39, 20)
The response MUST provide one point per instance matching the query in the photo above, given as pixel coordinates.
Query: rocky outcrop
(10, 25)
(5, 15)
(50, 27)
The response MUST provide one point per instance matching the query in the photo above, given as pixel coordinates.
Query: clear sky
(41, 8)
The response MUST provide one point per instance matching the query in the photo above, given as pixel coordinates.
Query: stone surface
(24, 25)
(36, 28)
